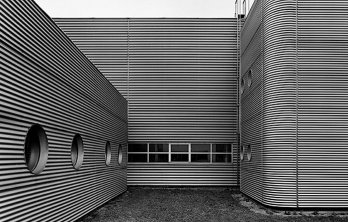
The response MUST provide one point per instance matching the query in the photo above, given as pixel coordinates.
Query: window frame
(189, 153)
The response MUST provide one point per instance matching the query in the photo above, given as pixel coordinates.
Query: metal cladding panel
(105, 42)
(182, 86)
(183, 80)
(303, 151)
(279, 103)
(181, 175)
(46, 80)
(323, 103)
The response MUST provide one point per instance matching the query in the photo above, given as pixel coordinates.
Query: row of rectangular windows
(185, 153)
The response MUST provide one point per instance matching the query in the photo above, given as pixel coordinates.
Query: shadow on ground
(145, 204)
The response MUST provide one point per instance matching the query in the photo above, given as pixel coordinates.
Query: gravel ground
(147, 204)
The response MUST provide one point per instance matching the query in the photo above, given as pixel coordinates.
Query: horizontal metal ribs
(46, 79)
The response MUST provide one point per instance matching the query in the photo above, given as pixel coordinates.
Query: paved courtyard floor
(204, 204)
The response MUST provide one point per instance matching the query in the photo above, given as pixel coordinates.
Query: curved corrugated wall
(182, 86)
(301, 158)
(279, 103)
(251, 103)
(46, 80)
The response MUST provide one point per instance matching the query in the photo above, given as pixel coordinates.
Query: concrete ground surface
(193, 204)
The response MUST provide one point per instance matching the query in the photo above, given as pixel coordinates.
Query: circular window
(249, 78)
(77, 151)
(107, 153)
(120, 154)
(249, 152)
(242, 86)
(242, 148)
(36, 149)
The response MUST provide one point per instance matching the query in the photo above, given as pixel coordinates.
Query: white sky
(139, 8)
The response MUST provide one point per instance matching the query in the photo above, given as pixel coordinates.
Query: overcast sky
(139, 8)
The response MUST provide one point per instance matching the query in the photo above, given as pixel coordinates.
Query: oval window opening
(108, 153)
(249, 82)
(242, 86)
(242, 148)
(36, 149)
(249, 152)
(77, 151)
(120, 156)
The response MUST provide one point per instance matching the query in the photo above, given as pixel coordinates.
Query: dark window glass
(137, 158)
(200, 158)
(224, 148)
(137, 147)
(200, 147)
(179, 157)
(222, 158)
(158, 157)
(158, 147)
(179, 148)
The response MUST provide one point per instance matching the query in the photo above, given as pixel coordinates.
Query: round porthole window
(108, 153)
(249, 152)
(242, 148)
(242, 86)
(249, 78)
(120, 154)
(77, 151)
(36, 149)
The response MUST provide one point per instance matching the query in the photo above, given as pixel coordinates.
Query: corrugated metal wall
(182, 84)
(251, 172)
(301, 158)
(323, 103)
(45, 79)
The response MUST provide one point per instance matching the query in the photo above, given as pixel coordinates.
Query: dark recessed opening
(77, 151)
(242, 148)
(108, 153)
(36, 149)
(120, 155)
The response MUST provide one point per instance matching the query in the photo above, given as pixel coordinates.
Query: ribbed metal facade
(46, 80)
(181, 86)
(295, 113)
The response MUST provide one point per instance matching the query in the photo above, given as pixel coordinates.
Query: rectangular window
(221, 153)
(179, 153)
(137, 153)
(200, 153)
(179, 147)
(189, 153)
(222, 158)
(159, 158)
(139, 158)
(200, 158)
(159, 147)
(201, 148)
(159, 153)
(222, 148)
(137, 147)
(179, 157)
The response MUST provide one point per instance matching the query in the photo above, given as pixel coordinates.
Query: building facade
(63, 125)
(294, 102)
(68, 136)
(181, 80)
